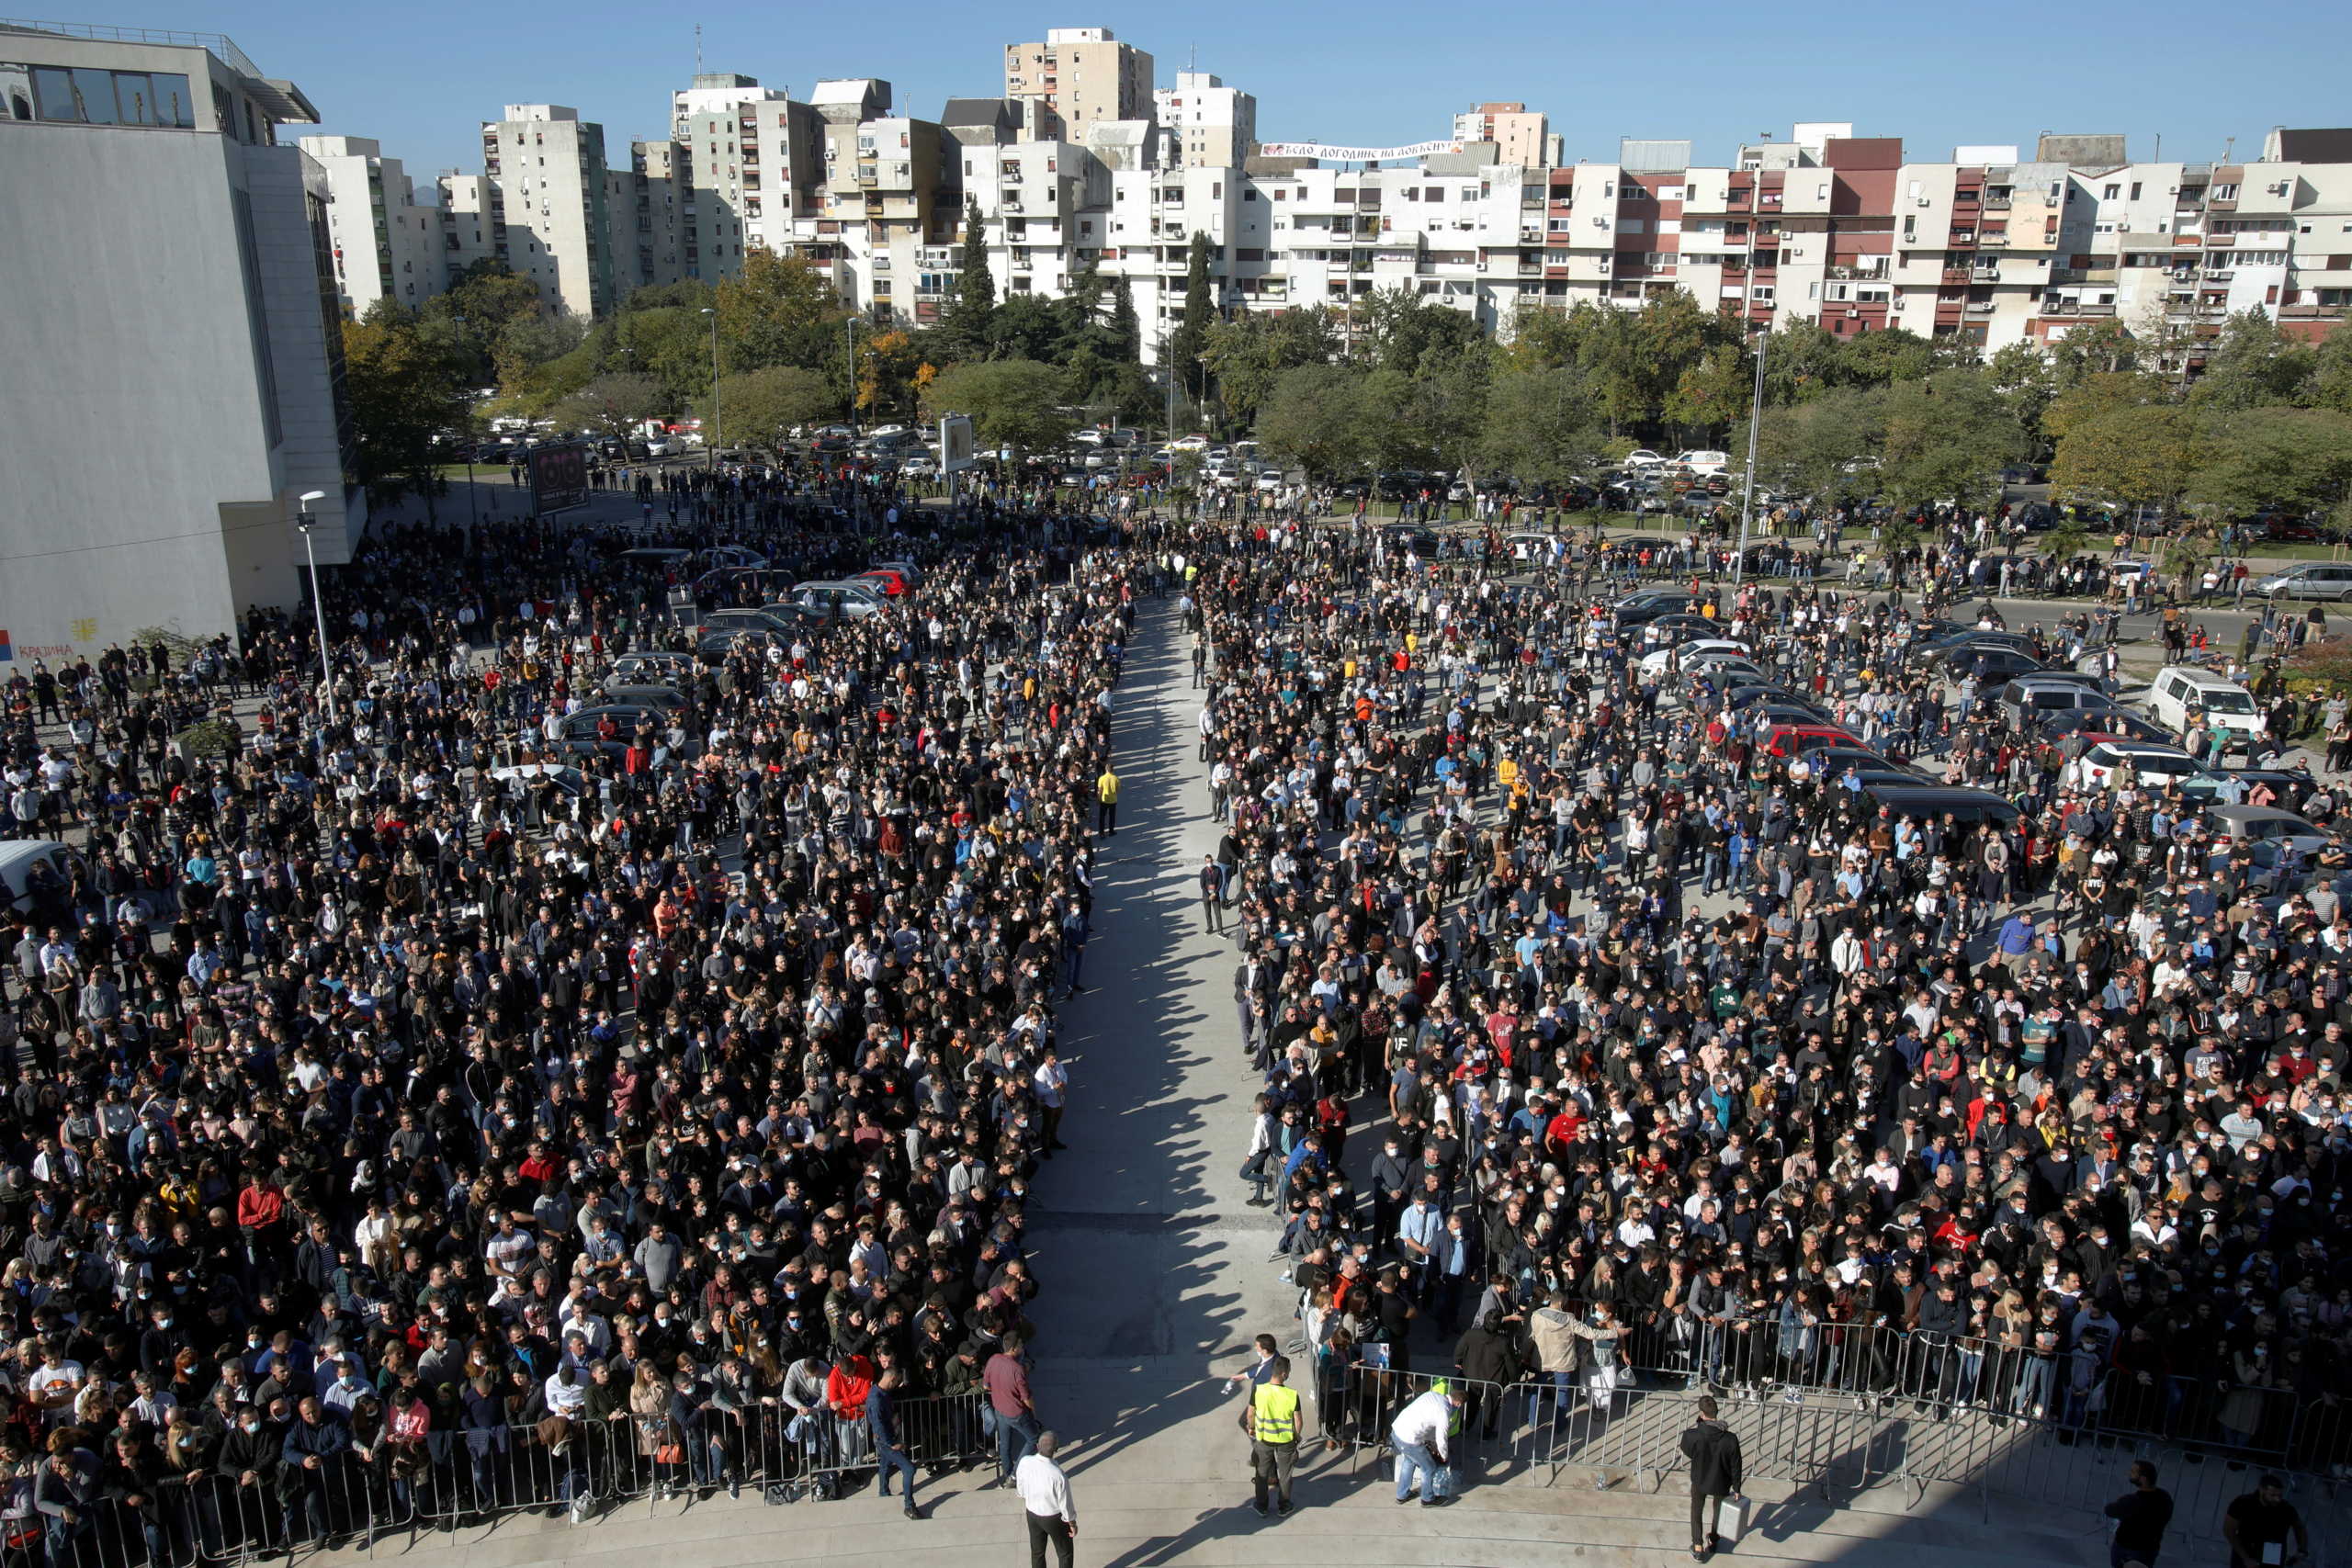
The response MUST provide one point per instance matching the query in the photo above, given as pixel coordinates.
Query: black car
(1925, 802)
(1987, 662)
(1645, 611)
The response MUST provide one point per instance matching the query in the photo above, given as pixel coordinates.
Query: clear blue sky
(421, 76)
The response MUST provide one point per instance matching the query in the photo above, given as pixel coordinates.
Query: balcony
(1953, 275)
(1996, 201)
(1981, 307)
(2312, 313)
(2075, 308)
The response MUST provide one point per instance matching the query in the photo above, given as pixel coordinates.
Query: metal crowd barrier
(465, 1479)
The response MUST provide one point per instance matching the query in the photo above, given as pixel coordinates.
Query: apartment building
(752, 167)
(1518, 136)
(1078, 75)
(646, 208)
(386, 244)
(1208, 124)
(182, 409)
(539, 206)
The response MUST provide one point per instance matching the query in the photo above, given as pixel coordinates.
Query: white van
(18, 858)
(1704, 462)
(2179, 690)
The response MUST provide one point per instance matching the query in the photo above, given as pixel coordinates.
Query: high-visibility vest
(1274, 1411)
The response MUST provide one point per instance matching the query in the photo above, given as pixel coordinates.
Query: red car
(889, 581)
(1795, 739)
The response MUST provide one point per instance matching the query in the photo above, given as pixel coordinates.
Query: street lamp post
(1747, 487)
(717, 427)
(318, 606)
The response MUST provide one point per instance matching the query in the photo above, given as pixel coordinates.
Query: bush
(211, 741)
(2322, 665)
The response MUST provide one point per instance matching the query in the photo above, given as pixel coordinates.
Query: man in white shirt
(1419, 1439)
(1045, 1495)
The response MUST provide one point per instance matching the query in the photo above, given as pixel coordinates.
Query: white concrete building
(1212, 126)
(213, 384)
(752, 167)
(387, 243)
(538, 206)
(1078, 75)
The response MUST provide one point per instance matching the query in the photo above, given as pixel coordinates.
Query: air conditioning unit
(1600, 223)
(1926, 201)
(2277, 189)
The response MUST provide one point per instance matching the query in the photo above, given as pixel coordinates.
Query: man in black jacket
(1713, 1449)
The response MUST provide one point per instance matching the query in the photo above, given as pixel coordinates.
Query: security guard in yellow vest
(1274, 1435)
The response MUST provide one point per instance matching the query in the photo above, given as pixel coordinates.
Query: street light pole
(318, 605)
(1748, 488)
(717, 427)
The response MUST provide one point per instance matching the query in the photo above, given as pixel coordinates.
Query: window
(2135, 191)
(2112, 192)
(91, 97)
(2228, 192)
(1761, 294)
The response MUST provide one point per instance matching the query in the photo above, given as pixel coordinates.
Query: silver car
(2309, 580)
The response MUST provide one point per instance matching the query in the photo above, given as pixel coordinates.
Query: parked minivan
(2028, 695)
(2180, 689)
(2308, 580)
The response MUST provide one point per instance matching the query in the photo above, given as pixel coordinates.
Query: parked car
(2270, 829)
(2156, 765)
(2308, 580)
(2181, 689)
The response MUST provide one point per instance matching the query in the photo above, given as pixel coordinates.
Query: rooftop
(218, 45)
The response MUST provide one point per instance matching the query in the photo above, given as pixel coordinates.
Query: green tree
(2331, 383)
(966, 322)
(1828, 447)
(1947, 438)
(469, 317)
(760, 407)
(2295, 459)
(1014, 402)
(1180, 354)
(1712, 392)
(1396, 328)
(1026, 326)
(777, 310)
(1315, 417)
(611, 405)
(1541, 424)
(1249, 354)
(2022, 375)
(2129, 454)
(1446, 401)
(2094, 348)
(406, 389)
(2251, 364)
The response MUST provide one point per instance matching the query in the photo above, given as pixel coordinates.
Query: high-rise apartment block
(386, 244)
(174, 313)
(1077, 76)
(539, 207)
(1208, 124)
(1518, 136)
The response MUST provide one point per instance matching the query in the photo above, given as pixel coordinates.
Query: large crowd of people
(1687, 1057)
(380, 1109)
